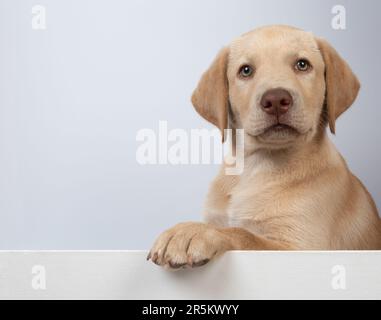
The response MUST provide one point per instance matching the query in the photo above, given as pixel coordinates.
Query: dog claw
(200, 263)
(154, 258)
(176, 265)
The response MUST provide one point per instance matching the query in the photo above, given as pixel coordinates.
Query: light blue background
(72, 98)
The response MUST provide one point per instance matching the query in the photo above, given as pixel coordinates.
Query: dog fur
(296, 191)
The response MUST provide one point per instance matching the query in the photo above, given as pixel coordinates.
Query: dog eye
(246, 71)
(302, 65)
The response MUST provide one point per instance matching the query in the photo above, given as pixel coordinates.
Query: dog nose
(276, 102)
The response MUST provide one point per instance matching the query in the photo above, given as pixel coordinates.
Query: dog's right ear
(211, 97)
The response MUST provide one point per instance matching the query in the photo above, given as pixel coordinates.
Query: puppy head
(280, 84)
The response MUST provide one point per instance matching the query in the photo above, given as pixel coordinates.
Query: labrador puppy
(284, 87)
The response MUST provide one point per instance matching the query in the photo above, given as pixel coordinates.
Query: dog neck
(297, 161)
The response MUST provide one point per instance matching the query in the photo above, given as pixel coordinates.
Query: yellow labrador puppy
(283, 86)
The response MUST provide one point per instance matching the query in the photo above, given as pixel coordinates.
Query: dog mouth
(277, 133)
(280, 128)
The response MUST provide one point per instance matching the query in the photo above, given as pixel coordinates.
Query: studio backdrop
(81, 80)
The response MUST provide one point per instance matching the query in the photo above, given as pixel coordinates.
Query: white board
(235, 275)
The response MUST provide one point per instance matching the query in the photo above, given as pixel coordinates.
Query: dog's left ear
(211, 97)
(342, 85)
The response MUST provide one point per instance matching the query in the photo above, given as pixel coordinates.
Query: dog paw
(188, 245)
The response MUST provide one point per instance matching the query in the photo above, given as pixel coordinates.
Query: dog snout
(276, 102)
